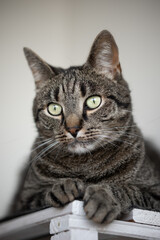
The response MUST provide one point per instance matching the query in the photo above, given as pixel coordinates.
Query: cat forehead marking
(71, 88)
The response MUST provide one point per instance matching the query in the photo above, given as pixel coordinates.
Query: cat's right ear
(40, 69)
(104, 57)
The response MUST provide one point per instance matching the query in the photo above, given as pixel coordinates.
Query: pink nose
(73, 130)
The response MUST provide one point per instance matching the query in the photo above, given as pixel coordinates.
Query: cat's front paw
(64, 192)
(100, 205)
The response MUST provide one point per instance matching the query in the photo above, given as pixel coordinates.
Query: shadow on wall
(153, 153)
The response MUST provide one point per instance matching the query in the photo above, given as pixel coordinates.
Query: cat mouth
(81, 146)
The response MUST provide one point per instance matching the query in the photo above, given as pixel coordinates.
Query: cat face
(80, 108)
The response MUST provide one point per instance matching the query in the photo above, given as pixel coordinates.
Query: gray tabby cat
(88, 146)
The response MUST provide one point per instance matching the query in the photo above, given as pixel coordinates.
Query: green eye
(93, 102)
(54, 109)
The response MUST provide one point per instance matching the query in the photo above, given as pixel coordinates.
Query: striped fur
(104, 161)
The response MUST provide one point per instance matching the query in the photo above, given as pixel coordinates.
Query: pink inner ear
(115, 61)
(115, 58)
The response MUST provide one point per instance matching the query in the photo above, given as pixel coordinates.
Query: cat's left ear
(104, 57)
(40, 69)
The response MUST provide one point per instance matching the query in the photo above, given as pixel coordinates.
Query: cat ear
(104, 55)
(40, 69)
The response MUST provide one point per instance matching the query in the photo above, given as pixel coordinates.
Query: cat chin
(79, 149)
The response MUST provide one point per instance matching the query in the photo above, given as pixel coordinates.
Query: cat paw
(64, 192)
(100, 205)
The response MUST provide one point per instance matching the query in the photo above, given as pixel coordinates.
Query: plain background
(62, 32)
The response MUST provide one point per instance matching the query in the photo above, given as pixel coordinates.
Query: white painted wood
(72, 217)
(76, 234)
(144, 216)
(37, 222)
(116, 228)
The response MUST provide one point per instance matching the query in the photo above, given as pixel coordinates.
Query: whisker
(127, 126)
(127, 110)
(96, 140)
(125, 134)
(44, 125)
(60, 137)
(43, 151)
(58, 151)
(124, 141)
(43, 143)
(58, 144)
(105, 137)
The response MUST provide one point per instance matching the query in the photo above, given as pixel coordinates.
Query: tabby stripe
(63, 88)
(85, 115)
(56, 93)
(61, 137)
(133, 197)
(68, 82)
(106, 120)
(83, 89)
(125, 189)
(37, 114)
(145, 200)
(73, 89)
(119, 103)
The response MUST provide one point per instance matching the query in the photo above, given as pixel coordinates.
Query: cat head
(81, 108)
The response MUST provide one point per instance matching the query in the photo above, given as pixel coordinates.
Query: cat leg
(100, 204)
(31, 199)
(103, 204)
(57, 194)
(65, 191)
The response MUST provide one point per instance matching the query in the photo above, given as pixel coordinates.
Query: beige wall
(62, 32)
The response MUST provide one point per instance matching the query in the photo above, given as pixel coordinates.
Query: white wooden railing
(70, 223)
